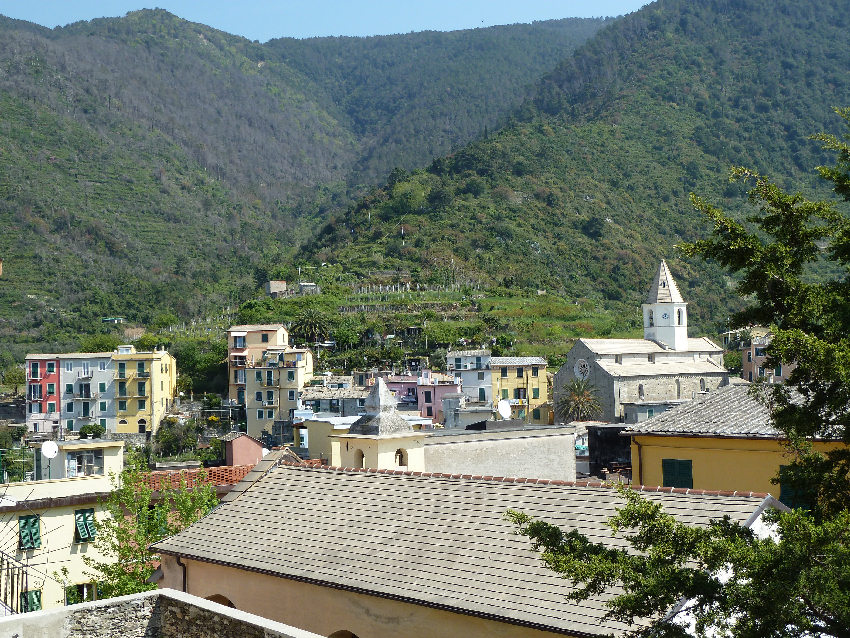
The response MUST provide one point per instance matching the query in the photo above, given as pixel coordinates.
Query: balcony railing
(85, 374)
(143, 374)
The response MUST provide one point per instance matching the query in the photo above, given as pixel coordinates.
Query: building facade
(274, 387)
(522, 382)
(146, 384)
(754, 362)
(245, 347)
(472, 368)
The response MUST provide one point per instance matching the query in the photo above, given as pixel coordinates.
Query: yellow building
(273, 387)
(246, 346)
(522, 382)
(48, 524)
(145, 386)
(724, 441)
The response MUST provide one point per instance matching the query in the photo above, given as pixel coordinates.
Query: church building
(638, 378)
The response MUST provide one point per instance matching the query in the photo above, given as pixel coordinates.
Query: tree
(578, 402)
(92, 430)
(14, 377)
(310, 324)
(134, 520)
(795, 582)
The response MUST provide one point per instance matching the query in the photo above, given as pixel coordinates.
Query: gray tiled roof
(517, 361)
(729, 411)
(434, 540)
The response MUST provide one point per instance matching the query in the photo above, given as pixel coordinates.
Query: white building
(472, 367)
(638, 378)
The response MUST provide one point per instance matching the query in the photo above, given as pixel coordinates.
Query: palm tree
(310, 324)
(578, 401)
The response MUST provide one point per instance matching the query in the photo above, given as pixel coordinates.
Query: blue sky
(266, 19)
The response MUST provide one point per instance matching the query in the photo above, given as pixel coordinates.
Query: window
(35, 392)
(238, 342)
(478, 362)
(101, 387)
(69, 366)
(504, 393)
(702, 385)
(102, 406)
(651, 319)
(29, 532)
(69, 388)
(790, 496)
(534, 372)
(258, 395)
(535, 414)
(519, 372)
(749, 356)
(140, 386)
(85, 390)
(34, 370)
(269, 377)
(264, 337)
(290, 376)
(140, 367)
(535, 393)
(258, 376)
(86, 409)
(641, 392)
(30, 600)
(86, 368)
(70, 424)
(458, 364)
(650, 358)
(680, 316)
(260, 414)
(361, 403)
(481, 376)
(239, 376)
(429, 411)
(51, 367)
(103, 422)
(677, 473)
(84, 522)
(101, 365)
(269, 395)
(750, 375)
(143, 404)
(650, 412)
(51, 406)
(69, 408)
(84, 463)
(427, 396)
(504, 372)
(778, 370)
(292, 395)
(122, 388)
(482, 394)
(80, 593)
(122, 405)
(401, 458)
(122, 370)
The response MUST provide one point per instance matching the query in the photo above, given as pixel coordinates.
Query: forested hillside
(590, 189)
(149, 164)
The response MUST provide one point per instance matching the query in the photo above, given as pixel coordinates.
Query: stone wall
(162, 613)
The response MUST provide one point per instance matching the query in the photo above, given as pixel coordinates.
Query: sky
(265, 19)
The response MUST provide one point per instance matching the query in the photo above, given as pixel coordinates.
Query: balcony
(85, 374)
(517, 401)
(122, 375)
(142, 374)
(84, 396)
(269, 404)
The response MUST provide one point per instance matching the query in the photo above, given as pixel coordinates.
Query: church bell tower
(665, 313)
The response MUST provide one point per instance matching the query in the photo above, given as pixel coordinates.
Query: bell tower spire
(665, 315)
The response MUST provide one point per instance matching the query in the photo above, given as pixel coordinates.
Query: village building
(754, 361)
(245, 347)
(386, 553)
(335, 394)
(723, 441)
(636, 379)
(523, 383)
(472, 368)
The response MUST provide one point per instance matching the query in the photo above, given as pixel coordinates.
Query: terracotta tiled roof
(223, 475)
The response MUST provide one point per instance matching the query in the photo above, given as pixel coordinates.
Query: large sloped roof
(435, 540)
(645, 346)
(730, 411)
(664, 288)
(662, 368)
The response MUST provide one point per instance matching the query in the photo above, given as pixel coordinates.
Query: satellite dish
(49, 450)
(265, 451)
(504, 409)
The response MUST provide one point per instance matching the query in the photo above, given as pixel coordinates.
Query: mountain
(588, 190)
(149, 164)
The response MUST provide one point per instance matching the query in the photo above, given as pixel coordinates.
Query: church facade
(636, 379)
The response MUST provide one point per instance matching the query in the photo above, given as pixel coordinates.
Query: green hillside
(589, 189)
(151, 165)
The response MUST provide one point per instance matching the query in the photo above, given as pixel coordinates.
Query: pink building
(754, 362)
(241, 449)
(431, 387)
(404, 387)
(43, 408)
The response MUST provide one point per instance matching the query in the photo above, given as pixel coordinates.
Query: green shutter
(677, 473)
(80, 521)
(35, 531)
(535, 393)
(89, 518)
(30, 600)
(29, 530)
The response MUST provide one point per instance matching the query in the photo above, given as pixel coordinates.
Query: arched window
(359, 459)
(651, 319)
(221, 600)
(680, 316)
(122, 422)
(143, 426)
(343, 634)
(401, 458)
(641, 392)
